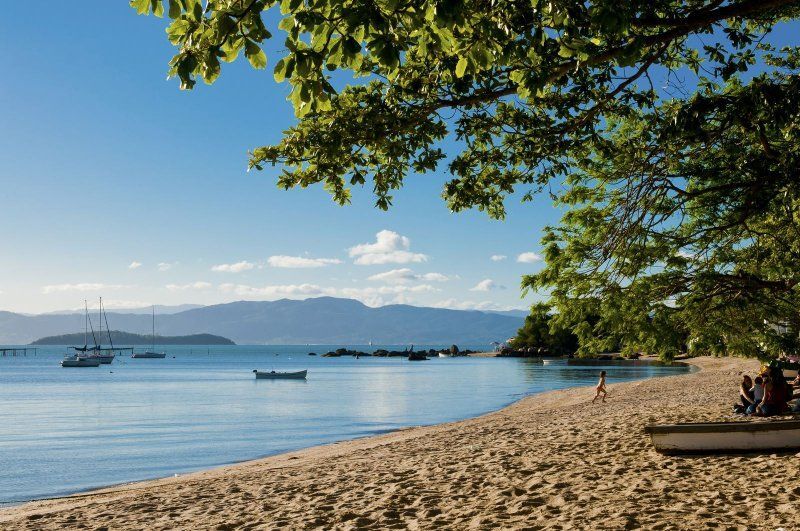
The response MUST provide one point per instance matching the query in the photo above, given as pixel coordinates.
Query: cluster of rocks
(382, 353)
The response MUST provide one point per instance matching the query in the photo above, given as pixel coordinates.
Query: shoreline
(472, 466)
(111, 487)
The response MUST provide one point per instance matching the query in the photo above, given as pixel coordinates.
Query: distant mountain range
(323, 320)
(127, 339)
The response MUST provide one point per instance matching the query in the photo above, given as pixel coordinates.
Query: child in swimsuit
(601, 387)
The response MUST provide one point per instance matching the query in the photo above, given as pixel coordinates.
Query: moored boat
(80, 361)
(731, 437)
(443, 355)
(151, 354)
(278, 375)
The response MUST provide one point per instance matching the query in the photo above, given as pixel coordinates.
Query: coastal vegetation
(539, 331)
(666, 130)
(128, 338)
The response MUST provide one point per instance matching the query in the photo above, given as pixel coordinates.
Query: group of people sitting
(768, 394)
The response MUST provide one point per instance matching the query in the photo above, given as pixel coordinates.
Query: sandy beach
(550, 461)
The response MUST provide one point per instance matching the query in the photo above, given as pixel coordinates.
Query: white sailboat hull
(781, 435)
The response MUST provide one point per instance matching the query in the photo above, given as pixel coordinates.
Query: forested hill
(127, 338)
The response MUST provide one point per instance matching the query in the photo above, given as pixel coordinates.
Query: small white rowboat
(731, 437)
(274, 375)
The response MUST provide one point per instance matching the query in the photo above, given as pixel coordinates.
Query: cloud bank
(300, 262)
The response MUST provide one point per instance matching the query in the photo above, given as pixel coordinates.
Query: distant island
(127, 338)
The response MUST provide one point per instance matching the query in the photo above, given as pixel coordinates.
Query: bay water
(64, 430)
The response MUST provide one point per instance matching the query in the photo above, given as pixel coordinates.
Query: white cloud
(383, 295)
(83, 286)
(406, 276)
(297, 262)
(498, 257)
(529, 258)
(135, 265)
(238, 267)
(454, 304)
(115, 304)
(199, 285)
(371, 296)
(385, 290)
(290, 290)
(389, 248)
(487, 285)
(166, 266)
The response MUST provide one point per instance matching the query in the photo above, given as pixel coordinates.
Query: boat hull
(104, 360)
(298, 375)
(729, 437)
(149, 355)
(442, 355)
(80, 362)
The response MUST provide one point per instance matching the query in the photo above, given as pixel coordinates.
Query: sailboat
(105, 355)
(78, 360)
(151, 354)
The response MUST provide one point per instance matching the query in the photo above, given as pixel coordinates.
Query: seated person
(776, 394)
(745, 394)
(758, 395)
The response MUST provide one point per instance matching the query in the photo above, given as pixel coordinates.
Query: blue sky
(103, 163)
(116, 183)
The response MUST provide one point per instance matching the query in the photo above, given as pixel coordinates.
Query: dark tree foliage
(682, 208)
(538, 331)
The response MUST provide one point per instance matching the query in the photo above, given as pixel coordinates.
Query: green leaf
(256, 56)
(177, 30)
(174, 9)
(280, 70)
(142, 7)
(461, 67)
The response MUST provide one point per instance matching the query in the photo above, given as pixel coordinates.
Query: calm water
(66, 430)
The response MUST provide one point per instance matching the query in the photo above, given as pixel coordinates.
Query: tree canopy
(668, 128)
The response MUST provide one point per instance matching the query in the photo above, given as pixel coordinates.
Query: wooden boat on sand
(725, 437)
(275, 375)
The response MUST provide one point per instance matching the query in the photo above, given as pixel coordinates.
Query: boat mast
(85, 324)
(154, 329)
(100, 318)
(108, 328)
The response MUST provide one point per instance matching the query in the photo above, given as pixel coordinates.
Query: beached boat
(151, 354)
(735, 437)
(80, 361)
(277, 375)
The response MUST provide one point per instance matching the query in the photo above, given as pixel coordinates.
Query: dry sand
(550, 461)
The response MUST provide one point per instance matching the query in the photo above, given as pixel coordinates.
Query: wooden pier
(16, 351)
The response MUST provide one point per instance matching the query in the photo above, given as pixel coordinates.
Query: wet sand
(550, 461)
